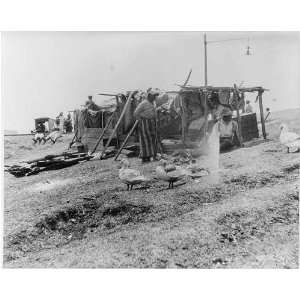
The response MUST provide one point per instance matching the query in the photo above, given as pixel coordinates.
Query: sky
(44, 73)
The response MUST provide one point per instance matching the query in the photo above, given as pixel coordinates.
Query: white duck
(195, 171)
(163, 173)
(129, 176)
(290, 139)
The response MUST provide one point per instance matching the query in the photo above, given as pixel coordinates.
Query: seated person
(229, 135)
(39, 133)
(38, 137)
(54, 136)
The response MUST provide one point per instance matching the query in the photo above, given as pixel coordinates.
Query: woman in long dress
(146, 114)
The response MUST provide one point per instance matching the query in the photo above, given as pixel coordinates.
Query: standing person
(249, 108)
(146, 114)
(61, 122)
(68, 124)
(229, 135)
(268, 112)
(57, 121)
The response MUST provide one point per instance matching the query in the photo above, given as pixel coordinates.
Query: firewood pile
(49, 162)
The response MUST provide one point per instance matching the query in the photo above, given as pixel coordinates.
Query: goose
(289, 139)
(195, 171)
(129, 176)
(163, 173)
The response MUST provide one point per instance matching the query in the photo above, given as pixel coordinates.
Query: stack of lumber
(49, 162)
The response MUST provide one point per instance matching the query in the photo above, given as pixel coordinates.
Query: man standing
(229, 135)
(249, 108)
(146, 114)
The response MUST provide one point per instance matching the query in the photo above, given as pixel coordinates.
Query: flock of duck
(170, 173)
(165, 172)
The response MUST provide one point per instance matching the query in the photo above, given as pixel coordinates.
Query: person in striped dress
(146, 114)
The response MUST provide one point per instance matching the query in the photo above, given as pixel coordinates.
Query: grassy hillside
(82, 216)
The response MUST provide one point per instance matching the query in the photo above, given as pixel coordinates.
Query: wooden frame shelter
(208, 90)
(114, 129)
(114, 126)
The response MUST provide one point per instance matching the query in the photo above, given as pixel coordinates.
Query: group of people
(64, 124)
(42, 137)
(147, 128)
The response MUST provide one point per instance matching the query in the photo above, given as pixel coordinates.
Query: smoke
(210, 147)
(213, 149)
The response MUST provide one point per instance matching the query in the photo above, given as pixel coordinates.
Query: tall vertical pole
(205, 60)
(205, 83)
(262, 119)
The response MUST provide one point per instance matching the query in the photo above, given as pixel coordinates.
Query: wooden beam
(127, 137)
(118, 114)
(261, 109)
(239, 125)
(117, 125)
(183, 122)
(103, 132)
(111, 95)
(205, 115)
(267, 116)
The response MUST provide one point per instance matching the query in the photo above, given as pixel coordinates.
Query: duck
(130, 176)
(289, 139)
(195, 171)
(167, 173)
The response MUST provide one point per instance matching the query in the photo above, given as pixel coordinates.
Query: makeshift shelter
(93, 127)
(199, 106)
(184, 115)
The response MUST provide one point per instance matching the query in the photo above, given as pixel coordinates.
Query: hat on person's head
(226, 112)
(152, 92)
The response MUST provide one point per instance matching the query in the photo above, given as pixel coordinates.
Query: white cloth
(54, 135)
(38, 136)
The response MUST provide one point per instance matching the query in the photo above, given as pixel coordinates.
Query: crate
(91, 135)
(249, 128)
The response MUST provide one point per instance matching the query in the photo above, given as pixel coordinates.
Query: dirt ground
(83, 217)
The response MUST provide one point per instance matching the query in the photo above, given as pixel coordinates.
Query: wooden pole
(205, 116)
(118, 113)
(267, 116)
(127, 137)
(103, 132)
(261, 109)
(106, 94)
(117, 125)
(205, 60)
(243, 102)
(183, 121)
(73, 139)
(239, 124)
